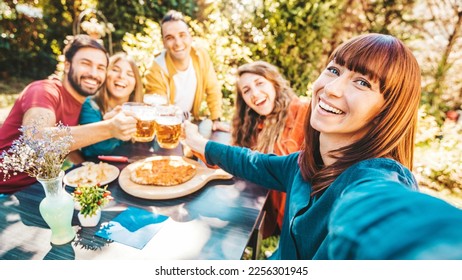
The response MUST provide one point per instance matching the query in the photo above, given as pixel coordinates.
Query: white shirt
(185, 85)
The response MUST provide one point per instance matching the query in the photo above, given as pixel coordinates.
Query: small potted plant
(91, 198)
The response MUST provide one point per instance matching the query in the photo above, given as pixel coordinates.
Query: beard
(74, 82)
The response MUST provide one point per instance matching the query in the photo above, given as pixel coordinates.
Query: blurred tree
(287, 33)
(131, 15)
(7, 17)
(383, 16)
(34, 33)
(58, 17)
(298, 36)
(439, 51)
(23, 48)
(143, 46)
(294, 35)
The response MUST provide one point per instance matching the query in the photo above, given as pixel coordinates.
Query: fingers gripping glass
(145, 125)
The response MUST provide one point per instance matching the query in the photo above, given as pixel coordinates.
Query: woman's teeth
(260, 101)
(120, 84)
(328, 108)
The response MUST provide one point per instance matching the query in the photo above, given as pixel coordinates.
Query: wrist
(199, 145)
(109, 127)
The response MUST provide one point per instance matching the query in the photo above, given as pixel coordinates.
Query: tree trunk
(444, 65)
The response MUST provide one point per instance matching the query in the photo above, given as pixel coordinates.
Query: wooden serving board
(202, 177)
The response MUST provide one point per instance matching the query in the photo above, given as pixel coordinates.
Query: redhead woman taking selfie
(350, 191)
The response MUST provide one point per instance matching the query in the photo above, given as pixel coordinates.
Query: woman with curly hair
(269, 118)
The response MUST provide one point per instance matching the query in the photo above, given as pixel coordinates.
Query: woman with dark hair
(123, 84)
(350, 192)
(268, 118)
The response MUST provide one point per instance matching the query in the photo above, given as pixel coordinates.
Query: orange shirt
(291, 140)
(293, 134)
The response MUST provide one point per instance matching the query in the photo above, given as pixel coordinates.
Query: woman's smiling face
(258, 93)
(344, 103)
(121, 80)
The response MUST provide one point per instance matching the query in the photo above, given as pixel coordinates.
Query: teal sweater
(91, 113)
(371, 211)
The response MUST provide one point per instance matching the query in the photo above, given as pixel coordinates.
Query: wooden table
(213, 223)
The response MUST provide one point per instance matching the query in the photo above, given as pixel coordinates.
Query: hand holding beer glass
(145, 125)
(168, 126)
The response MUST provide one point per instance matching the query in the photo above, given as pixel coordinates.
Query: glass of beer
(168, 126)
(145, 125)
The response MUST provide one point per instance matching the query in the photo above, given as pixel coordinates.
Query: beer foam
(155, 99)
(168, 120)
(146, 114)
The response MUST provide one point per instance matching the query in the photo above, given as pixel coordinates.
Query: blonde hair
(246, 121)
(386, 59)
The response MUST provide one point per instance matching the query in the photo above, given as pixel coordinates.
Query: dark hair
(386, 59)
(82, 41)
(173, 15)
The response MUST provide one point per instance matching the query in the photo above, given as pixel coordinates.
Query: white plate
(87, 176)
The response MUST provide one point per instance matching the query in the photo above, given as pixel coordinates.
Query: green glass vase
(57, 209)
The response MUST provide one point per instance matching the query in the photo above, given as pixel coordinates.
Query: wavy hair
(102, 97)
(247, 123)
(386, 59)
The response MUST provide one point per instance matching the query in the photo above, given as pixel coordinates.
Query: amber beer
(168, 126)
(146, 124)
(168, 132)
(145, 130)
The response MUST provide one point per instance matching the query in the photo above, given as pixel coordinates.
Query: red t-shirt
(49, 94)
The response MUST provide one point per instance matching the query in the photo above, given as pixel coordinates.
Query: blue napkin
(133, 227)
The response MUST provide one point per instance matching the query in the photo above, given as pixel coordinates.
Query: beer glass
(168, 126)
(145, 125)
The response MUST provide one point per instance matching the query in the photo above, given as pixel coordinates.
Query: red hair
(386, 59)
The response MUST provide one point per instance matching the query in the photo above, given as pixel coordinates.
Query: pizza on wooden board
(163, 172)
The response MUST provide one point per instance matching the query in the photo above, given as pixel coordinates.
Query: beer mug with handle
(168, 126)
(145, 125)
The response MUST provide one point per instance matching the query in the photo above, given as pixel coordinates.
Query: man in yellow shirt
(184, 72)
